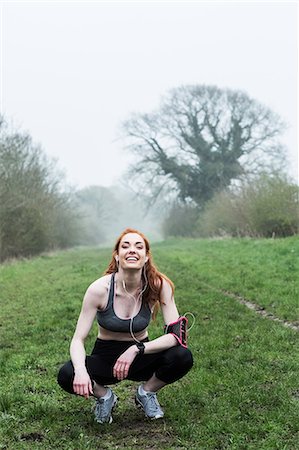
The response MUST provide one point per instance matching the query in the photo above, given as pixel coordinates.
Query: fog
(71, 72)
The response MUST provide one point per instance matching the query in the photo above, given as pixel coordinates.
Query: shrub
(181, 221)
(263, 207)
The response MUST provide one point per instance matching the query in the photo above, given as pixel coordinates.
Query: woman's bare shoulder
(166, 291)
(97, 290)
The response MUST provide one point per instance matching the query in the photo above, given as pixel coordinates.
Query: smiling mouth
(132, 259)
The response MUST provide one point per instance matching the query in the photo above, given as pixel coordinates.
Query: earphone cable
(136, 303)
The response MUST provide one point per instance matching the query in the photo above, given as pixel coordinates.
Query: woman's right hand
(82, 383)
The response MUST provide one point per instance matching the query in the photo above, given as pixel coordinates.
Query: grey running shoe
(150, 405)
(104, 407)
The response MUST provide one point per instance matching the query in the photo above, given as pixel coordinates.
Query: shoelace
(152, 402)
(100, 409)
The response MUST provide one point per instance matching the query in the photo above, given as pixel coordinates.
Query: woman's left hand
(123, 363)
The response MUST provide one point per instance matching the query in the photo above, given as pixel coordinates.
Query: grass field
(242, 393)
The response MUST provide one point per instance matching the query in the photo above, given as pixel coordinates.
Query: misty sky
(71, 72)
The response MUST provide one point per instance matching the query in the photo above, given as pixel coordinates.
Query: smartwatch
(141, 347)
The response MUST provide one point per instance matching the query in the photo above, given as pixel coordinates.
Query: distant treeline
(39, 212)
(35, 212)
(207, 164)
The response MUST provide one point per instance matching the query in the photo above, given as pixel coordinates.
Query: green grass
(264, 271)
(242, 393)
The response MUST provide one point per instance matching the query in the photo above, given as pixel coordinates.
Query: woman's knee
(181, 356)
(65, 377)
(177, 363)
(185, 357)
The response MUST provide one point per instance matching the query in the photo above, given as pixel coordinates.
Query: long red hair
(152, 294)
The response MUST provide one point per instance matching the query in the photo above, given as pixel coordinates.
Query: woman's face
(132, 252)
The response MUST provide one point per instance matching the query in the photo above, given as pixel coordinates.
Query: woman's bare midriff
(118, 336)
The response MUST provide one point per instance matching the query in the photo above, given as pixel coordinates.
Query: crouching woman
(123, 302)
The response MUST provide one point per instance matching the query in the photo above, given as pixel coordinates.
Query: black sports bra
(110, 321)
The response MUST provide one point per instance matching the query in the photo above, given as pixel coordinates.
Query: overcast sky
(71, 72)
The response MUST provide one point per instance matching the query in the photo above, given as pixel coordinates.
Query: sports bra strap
(111, 290)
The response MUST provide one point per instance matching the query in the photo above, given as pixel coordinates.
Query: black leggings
(168, 365)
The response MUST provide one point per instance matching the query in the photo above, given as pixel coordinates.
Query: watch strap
(141, 347)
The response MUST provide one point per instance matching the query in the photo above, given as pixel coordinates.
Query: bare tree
(201, 139)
